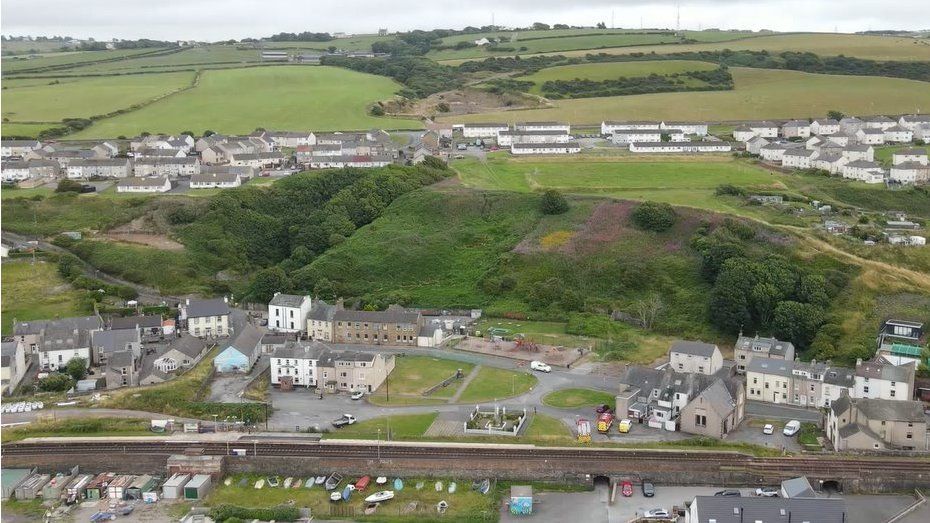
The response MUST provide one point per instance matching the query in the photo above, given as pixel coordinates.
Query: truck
(604, 422)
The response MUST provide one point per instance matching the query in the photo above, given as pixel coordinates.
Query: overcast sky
(224, 19)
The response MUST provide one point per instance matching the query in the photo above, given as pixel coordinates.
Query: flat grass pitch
(491, 383)
(758, 93)
(236, 101)
(56, 98)
(413, 375)
(612, 71)
(824, 44)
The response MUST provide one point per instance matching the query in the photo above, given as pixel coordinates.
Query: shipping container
(97, 488)
(198, 487)
(174, 487)
(117, 488)
(31, 487)
(140, 486)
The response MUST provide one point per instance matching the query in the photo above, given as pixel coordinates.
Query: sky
(211, 20)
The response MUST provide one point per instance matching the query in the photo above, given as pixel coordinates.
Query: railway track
(764, 465)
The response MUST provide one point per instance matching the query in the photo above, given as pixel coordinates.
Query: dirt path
(464, 385)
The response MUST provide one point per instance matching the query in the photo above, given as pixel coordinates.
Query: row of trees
(305, 36)
(420, 76)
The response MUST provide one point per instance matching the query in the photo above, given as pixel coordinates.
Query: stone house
(876, 424)
(394, 326)
(695, 357)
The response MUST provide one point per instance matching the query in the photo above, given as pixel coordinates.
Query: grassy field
(545, 332)
(401, 426)
(65, 212)
(758, 93)
(824, 44)
(575, 398)
(688, 181)
(79, 427)
(547, 430)
(492, 383)
(15, 66)
(204, 57)
(85, 97)
(884, 153)
(613, 70)
(26, 130)
(412, 375)
(33, 292)
(293, 98)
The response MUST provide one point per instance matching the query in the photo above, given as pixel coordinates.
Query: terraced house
(394, 326)
(746, 348)
(313, 365)
(876, 425)
(206, 318)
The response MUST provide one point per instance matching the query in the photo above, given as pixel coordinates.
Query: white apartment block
(288, 312)
(545, 148)
(483, 130)
(825, 127)
(83, 169)
(641, 136)
(898, 134)
(916, 155)
(543, 126)
(608, 128)
(798, 158)
(508, 138)
(680, 147)
(172, 167)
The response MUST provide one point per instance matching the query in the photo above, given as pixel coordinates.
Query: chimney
(858, 362)
(814, 361)
(225, 299)
(187, 301)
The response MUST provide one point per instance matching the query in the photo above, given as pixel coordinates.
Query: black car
(649, 489)
(732, 493)
(85, 188)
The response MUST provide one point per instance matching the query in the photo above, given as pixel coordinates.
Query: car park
(767, 492)
(792, 428)
(768, 429)
(649, 490)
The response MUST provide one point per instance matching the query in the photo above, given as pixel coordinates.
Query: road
(147, 295)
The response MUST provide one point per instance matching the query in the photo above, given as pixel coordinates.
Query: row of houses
(872, 130)
(526, 138)
(855, 161)
(313, 365)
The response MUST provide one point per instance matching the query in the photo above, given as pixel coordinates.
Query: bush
(76, 368)
(553, 203)
(56, 382)
(278, 513)
(68, 186)
(377, 110)
(653, 216)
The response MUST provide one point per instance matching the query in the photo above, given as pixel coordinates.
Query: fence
(499, 415)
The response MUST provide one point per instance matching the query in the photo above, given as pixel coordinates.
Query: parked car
(357, 395)
(656, 513)
(792, 428)
(767, 492)
(540, 366)
(626, 488)
(346, 419)
(768, 429)
(649, 490)
(728, 493)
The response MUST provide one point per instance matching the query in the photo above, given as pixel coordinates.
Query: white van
(792, 428)
(540, 366)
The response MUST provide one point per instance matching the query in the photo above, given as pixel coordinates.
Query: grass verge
(574, 398)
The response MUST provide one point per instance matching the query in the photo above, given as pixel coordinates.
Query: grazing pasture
(612, 70)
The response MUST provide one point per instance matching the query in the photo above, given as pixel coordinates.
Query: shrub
(278, 513)
(553, 203)
(56, 382)
(68, 186)
(653, 216)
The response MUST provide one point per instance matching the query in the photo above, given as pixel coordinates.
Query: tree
(56, 382)
(377, 110)
(188, 133)
(654, 216)
(797, 322)
(76, 368)
(68, 186)
(435, 163)
(553, 202)
(539, 26)
(208, 132)
(648, 310)
(266, 283)
(836, 115)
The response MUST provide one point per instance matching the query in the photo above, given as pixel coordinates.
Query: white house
(830, 162)
(839, 138)
(206, 318)
(543, 126)
(298, 362)
(288, 312)
(19, 148)
(755, 145)
(916, 154)
(882, 380)
(483, 130)
(58, 346)
(695, 357)
(508, 138)
(13, 367)
(136, 184)
(851, 124)
(545, 148)
(172, 167)
(870, 136)
(697, 128)
(909, 172)
(796, 129)
(15, 171)
(482, 41)
(289, 139)
(898, 134)
(825, 126)
(628, 137)
(680, 147)
(608, 127)
(912, 121)
(742, 133)
(764, 129)
(868, 172)
(798, 158)
(775, 151)
(343, 160)
(858, 152)
(257, 160)
(81, 169)
(215, 180)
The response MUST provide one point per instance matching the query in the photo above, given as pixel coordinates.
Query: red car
(626, 488)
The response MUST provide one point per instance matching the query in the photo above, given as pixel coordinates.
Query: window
(701, 369)
(892, 394)
(755, 381)
(680, 366)
(277, 311)
(291, 313)
(742, 356)
(865, 390)
(766, 385)
(700, 420)
(910, 436)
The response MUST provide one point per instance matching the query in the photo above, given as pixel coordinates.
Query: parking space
(750, 431)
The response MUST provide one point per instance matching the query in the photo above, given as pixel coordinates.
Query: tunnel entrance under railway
(831, 486)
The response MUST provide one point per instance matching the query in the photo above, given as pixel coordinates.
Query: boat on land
(398, 484)
(419, 485)
(371, 508)
(243, 482)
(319, 480)
(362, 483)
(381, 480)
(308, 483)
(227, 481)
(442, 506)
(297, 483)
(335, 496)
(333, 481)
(260, 483)
(288, 482)
(274, 481)
(452, 487)
(347, 492)
(439, 486)
(378, 497)
(482, 486)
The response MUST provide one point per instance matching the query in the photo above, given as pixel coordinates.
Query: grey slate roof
(863, 164)
(112, 341)
(287, 300)
(765, 345)
(152, 160)
(78, 322)
(770, 366)
(388, 316)
(214, 177)
(190, 346)
(872, 130)
(804, 153)
(322, 311)
(885, 371)
(136, 181)
(859, 148)
(300, 350)
(667, 382)
(249, 338)
(891, 410)
(131, 322)
(798, 488)
(731, 509)
(695, 348)
(212, 307)
(119, 359)
(62, 339)
(839, 376)
(910, 166)
(274, 339)
(915, 151)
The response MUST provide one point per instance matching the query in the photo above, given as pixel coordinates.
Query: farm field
(16, 66)
(26, 130)
(293, 98)
(209, 56)
(758, 93)
(352, 43)
(613, 70)
(23, 101)
(690, 182)
(32, 292)
(824, 44)
(542, 44)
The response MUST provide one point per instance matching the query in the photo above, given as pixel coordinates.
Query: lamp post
(379, 444)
